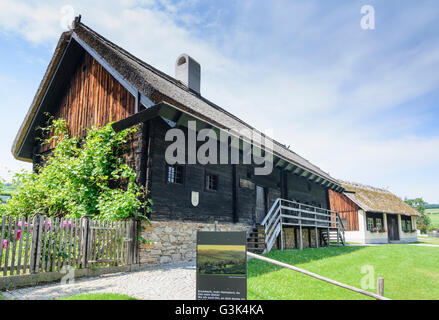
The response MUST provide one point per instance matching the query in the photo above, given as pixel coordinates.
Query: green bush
(88, 177)
(423, 222)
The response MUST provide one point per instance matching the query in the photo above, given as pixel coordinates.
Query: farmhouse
(90, 81)
(373, 215)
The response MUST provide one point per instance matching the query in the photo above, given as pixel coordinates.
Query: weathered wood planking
(346, 208)
(14, 245)
(20, 244)
(93, 97)
(47, 244)
(5, 268)
(27, 247)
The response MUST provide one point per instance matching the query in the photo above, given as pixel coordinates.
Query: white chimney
(188, 71)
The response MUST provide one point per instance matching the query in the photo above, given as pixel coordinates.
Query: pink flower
(5, 242)
(69, 223)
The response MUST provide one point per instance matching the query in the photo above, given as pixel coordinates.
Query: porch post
(317, 236)
(300, 228)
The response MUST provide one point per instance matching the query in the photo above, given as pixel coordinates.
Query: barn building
(91, 81)
(374, 215)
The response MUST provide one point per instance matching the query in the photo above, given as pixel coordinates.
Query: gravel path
(172, 282)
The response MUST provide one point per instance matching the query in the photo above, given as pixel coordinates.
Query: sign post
(221, 265)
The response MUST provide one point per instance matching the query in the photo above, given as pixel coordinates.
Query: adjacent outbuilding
(374, 215)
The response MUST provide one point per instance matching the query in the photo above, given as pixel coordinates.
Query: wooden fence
(42, 244)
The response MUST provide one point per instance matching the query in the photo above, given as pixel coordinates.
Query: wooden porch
(326, 226)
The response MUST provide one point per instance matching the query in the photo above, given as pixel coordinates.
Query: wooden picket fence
(42, 244)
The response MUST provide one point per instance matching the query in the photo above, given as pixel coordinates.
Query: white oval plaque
(195, 198)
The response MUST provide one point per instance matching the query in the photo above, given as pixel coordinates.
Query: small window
(375, 220)
(406, 223)
(369, 224)
(175, 174)
(211, 182)
(379, 224)
(249, 172)
(403, 225)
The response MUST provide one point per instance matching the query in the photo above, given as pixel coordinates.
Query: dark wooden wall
(93, 97)
(346, 208)
(173, 201)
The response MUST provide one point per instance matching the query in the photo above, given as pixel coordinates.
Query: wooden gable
(92, 97)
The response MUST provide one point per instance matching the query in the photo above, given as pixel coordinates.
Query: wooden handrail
(270, 212)
(316, 276)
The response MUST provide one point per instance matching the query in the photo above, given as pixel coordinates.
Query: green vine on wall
(87, 177)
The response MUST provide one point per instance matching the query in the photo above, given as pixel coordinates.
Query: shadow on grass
(295, 257)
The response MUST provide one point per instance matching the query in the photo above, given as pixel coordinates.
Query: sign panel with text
(221, 265)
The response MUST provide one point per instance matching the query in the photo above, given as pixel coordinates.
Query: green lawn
(410, 272)
(434, 216)
(99, 296)
(428, 240)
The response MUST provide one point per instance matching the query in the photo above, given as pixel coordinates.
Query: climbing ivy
(87, 177)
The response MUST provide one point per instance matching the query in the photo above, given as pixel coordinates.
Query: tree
(424, 221)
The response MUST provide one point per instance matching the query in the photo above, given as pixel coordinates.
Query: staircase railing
(341, 229)
(272, 224)
(292, 213)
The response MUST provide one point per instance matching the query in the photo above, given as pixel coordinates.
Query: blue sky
(361, 104)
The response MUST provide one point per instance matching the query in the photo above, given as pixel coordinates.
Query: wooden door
(261, 204)
(392, 227)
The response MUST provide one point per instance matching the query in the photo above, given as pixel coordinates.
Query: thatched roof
(372, 199)
(148, 81)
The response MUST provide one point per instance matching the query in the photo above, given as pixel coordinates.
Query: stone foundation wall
(175, 241)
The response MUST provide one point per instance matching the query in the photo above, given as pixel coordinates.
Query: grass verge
(410, 272)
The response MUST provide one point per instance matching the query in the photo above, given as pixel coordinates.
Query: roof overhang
(22, 148)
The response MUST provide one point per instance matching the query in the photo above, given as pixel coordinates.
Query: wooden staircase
(333, 240)
(256, 239)
(261, 238)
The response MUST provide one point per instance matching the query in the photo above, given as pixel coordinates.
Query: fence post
(85, 240)
(138, 229)
(380, 286)
(133, 240)
(35, 245)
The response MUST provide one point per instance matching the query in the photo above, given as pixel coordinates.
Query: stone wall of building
(175, 241)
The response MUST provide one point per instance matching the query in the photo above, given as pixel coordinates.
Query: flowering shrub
(88, 177)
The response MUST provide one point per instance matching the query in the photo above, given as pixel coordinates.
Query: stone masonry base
(175, 241)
